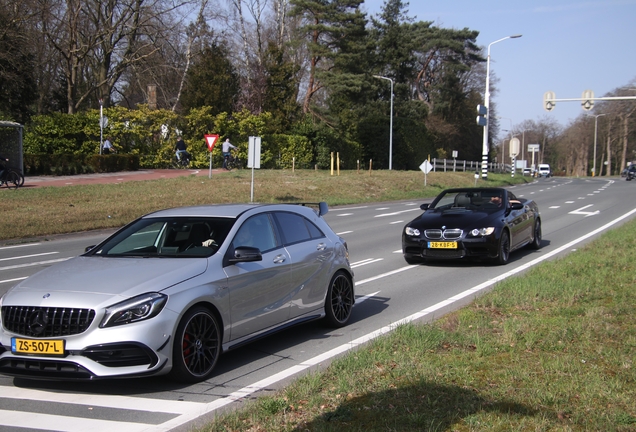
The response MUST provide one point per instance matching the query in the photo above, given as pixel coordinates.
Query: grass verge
(552, 350)
(57, 210)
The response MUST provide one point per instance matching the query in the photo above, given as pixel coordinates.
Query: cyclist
(180, 148)
(227, 146)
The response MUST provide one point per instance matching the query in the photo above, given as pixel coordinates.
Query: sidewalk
(118, 177)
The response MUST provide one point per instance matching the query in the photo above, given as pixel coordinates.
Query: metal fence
(454, 165)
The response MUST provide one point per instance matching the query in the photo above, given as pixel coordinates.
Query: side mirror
(516, 206)
(424, 207)
(246, 254)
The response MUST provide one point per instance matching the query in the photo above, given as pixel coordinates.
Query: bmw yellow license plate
(442, 245)
(50, 347)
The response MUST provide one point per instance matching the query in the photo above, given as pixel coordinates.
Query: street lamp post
(595, 134)
(391, 122)
(484, 161)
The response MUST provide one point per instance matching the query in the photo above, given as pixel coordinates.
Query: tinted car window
(296, 228)
(257, 232)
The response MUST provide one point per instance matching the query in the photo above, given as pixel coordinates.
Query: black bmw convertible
(483, 223)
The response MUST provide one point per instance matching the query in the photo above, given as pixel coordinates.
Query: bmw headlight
(482, 232)
(133, 310)
(412, 231)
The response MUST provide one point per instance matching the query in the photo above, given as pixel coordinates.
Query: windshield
(167, 237)
(469, 200)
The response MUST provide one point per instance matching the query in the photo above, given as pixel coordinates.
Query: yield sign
(211, 140)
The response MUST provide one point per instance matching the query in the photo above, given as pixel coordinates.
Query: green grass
(552, 350)
(44, 211)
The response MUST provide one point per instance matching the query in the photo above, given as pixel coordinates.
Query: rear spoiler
(323, 208)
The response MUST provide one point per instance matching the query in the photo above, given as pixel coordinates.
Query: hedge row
(73, 164)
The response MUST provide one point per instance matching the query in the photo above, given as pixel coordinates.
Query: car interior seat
(462, 200)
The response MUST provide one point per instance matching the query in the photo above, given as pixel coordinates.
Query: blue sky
(567, 47)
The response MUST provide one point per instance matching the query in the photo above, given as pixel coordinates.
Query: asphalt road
(574, 211)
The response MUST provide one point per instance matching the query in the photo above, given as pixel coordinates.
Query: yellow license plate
(442, 245)
(54, 347)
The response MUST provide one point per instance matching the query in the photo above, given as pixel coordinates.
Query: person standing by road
(227, 146)
(180, 148)
(108, 146)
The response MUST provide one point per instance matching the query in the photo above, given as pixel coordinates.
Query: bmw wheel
(197, 346)
(536, 242)
(340, 300)
(504, 248)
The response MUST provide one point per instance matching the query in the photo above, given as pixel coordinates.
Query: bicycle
(11, 178)
(182, 163)
(232, 162)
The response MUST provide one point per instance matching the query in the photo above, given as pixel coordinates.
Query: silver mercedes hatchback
(169, 292)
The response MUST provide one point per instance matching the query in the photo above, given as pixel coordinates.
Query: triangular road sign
(211, 140)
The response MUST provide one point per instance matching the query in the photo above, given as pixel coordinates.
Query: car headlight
(133, 310)
(482, 232)
(412, 231)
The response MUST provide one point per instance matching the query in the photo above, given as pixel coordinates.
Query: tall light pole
(391, 122)
(595, 134)
(484, 160)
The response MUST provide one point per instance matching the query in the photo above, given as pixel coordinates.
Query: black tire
(503, 253)
(536, 240)
(12, 180)
(340, 300)
(20, 177)
(197, 346)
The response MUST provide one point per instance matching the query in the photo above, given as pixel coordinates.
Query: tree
(211, 81)
(326, 26)
(17, 64)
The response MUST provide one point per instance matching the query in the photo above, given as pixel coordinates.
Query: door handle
(279, 259)
(321, 246)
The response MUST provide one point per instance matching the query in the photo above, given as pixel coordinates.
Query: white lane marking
(194, 411)
(13, 280)
(33, 264)
(33, 420)
(366, 297)
(365, 262)
(397, 212)
(348, 208)
(344, 214)
(109, 401)
(396, 222)
(28, 256)
(383, 208)
(581, 212)
(344, 232)
(20, 246)
(554, 207)
(383, 275)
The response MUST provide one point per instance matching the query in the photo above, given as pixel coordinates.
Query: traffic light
(549, 100)
(482, 118)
